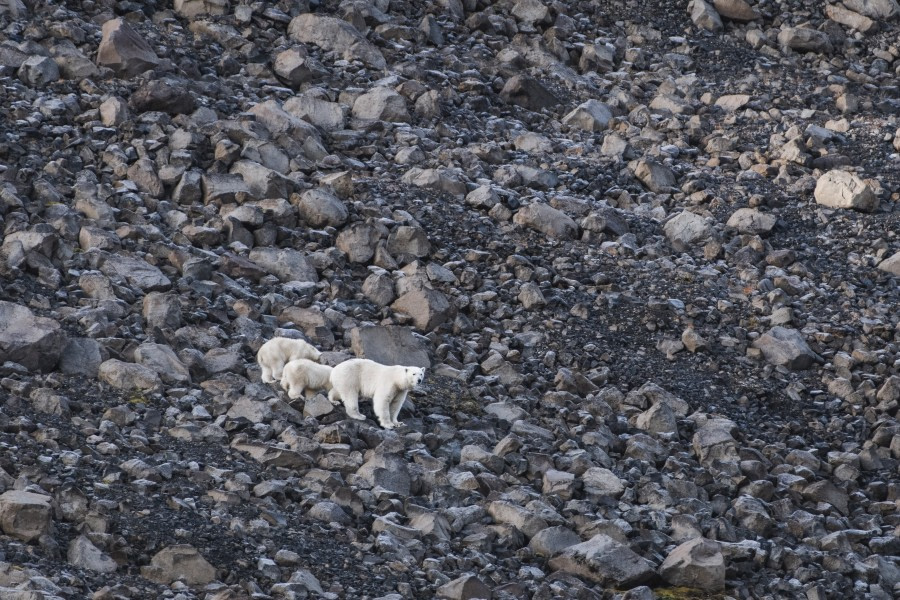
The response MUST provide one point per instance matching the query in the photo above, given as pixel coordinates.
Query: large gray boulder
(544, 218)
(697, 563)
(605, 561)
(390, 346)
(687, 229)
(34, 342)
(787, 347)
(85, 555)
(337, 35)
(286, 264)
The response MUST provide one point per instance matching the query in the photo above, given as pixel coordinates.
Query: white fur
(303, 376)
(387, 386)
(279, 351)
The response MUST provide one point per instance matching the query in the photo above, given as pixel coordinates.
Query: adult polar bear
(279, 351)
(387, 386)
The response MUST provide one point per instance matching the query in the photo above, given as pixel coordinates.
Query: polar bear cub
(387, 386)
(303, 376)
(277, 352)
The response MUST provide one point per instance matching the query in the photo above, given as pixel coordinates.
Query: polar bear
(303, 376)
(387, 386)
(277, 352)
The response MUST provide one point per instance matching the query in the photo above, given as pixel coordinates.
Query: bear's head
(414, 376)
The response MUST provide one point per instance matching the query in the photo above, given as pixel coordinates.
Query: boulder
(123, 50)
(359, 241)
(320, 207)
(128, 376)
(38, 71)
(841, 189)
(591, 115)
(390, 346)
(286, 264)
(852, 19)
(874, 9)
(335, 35)
(605, 561)
(529, 93)
(546, 219)
(163, 360)
(787, 347)
(751, 220)
(442, 180)
(428, 308)
(25, 515)
(196, 8)
(736, 10)
(381, 104)
(553, 540)
(656, 177)
(687, 229)
(179, 563)
(85, 555)
(81, 356)
(697, 563)
(803, 39)
(136, 271)
(34, 342)
(891, 264)
(704, 15)
(467, 587)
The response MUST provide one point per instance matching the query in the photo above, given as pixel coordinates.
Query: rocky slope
(648, 250)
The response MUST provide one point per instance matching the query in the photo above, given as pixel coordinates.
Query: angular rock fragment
(841, 189)
(804, 39)
(704, 15)
(787, 347)
(605, 561)
(332, 34)
(84, 554)
(697, 563)
(180, 562)
(123, 50)
(34, 342)
(751, 220)
(736, 10)
(25, 515)
(591, 115)
(546, 219)
(529, 93)
(686, 229)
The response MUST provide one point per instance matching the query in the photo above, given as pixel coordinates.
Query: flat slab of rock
(656, 177)
(697, 563)
(803, 39)
(137, 272)
(428, 308)
(286, 264)
(390, 346)
(736, 10)
(787, 347)
(840, 189)
(605, 561)
(128, 376)
(34, 342)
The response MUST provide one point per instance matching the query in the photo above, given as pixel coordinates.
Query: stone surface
(840, 189)
(34, 342)
(123, 50)
(25, 515)
(697, 563)
(787, 347)
(605, 561)
(179, 563)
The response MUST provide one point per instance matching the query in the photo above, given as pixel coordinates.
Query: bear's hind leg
(351, 405)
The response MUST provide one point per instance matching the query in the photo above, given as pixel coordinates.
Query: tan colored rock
(891, 265)
(182, 562)
(697, 563)
(852, 19)
(736, 10)
(704, 15)
(842, 189)
(194, 8)
(123, 50)
(24, 515)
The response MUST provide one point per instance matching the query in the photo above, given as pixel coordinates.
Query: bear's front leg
(267, 374)
(381, 402)
(396, 405)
